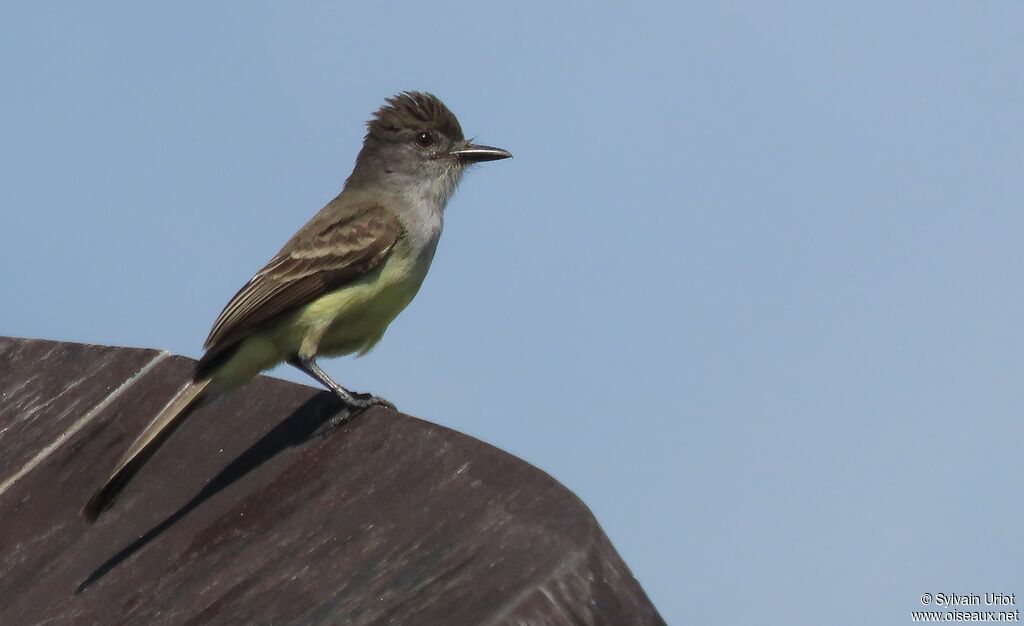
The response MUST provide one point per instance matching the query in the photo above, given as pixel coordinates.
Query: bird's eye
(424, 140)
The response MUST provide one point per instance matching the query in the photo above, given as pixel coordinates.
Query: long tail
(166, 422)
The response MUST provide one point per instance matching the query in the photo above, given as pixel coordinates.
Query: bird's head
(415, 140)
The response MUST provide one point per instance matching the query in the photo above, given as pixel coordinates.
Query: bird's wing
(334, 248)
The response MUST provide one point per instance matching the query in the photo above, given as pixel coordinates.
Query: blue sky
(751, 286)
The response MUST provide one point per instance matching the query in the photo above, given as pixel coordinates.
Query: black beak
(474, 153)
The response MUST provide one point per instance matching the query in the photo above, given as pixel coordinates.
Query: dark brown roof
(252, 514)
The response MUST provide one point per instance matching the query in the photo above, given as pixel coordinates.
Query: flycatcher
(338, 282)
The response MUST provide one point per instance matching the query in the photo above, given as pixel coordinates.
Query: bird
(338, 283)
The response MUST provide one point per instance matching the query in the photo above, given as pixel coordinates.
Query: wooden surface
(253, 513)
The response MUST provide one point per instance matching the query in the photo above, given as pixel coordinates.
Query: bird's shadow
(318, 415)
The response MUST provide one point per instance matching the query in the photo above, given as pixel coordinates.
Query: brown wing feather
(337, 246)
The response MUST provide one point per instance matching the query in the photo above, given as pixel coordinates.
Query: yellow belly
(356, 316)
(345, 321)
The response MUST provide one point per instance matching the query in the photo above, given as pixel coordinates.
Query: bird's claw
(367, 400)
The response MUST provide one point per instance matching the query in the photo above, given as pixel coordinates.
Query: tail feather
(166, 422)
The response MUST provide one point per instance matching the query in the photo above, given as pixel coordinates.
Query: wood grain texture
(251, 514)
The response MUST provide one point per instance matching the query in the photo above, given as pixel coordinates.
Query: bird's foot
(352, 399)
(355, 403)
(366, 400)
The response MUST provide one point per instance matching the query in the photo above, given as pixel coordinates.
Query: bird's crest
(413, 111)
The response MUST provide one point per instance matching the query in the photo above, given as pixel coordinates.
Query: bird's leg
(351, 398)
